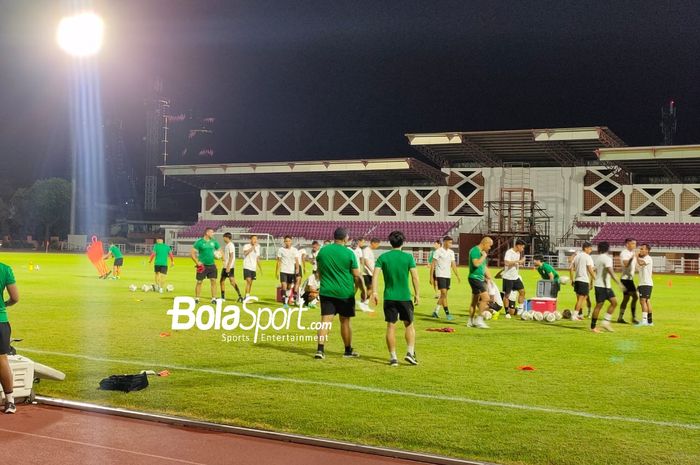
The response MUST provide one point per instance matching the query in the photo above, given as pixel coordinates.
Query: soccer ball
(146, 288)
(487, 315)
(526, 316)
(133, 288)
(557, 315)
(550, 317)
(537, 316)
(218, 255)
(564, 280)
(170, 288)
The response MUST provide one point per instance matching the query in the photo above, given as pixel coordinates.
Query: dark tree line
(41, 210)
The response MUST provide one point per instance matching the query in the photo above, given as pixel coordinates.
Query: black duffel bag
(125, 383)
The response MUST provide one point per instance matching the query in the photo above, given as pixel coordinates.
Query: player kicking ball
(202, 255)
(441, 269)
(396, 266)
(287, 268)
(646, 283)
(229, 267)
(604, 275)
(161, 253)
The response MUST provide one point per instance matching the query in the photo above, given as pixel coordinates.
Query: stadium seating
(424, 231)
(655, 234)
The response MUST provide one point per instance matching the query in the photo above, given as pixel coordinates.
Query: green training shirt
(396, 266)
(545, 268)
(116, 253)
(6, 278)
(335, 265)
(430, 256)
(162, 253)
(476, 272)
(206, 248)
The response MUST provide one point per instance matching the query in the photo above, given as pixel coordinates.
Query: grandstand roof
(308, 174)
(538, 147)
(675, 163)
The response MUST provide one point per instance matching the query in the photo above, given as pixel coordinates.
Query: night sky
(292, 80)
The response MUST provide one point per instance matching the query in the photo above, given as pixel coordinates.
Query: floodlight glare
(80, 35)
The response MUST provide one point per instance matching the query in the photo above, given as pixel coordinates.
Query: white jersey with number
(443, 262)
(511, 272)
(602, 275)
(368, 256)
(229, 255)
(645, 271)
(629, 270)
(581, 263)
(250, 261)
(288, 258)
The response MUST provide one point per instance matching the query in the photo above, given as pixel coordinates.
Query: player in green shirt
(7, 281)
(161, 253)
(436, 245)
(478, 274)
(340, 276)
(547, 271)
(115, 253)
(202, 255)
(396, 266)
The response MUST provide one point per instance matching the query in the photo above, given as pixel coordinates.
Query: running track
(43, 434)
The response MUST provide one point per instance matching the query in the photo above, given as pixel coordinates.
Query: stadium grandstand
(554, 188)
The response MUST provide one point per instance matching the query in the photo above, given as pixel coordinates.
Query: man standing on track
(7, 281)
(228, 269)
(251, 263)
(646, 283)
(628, 261)
(396, 266)
(581, 272)
(161, 253)
(513, 260)
(478, 275)
(202, 255)
(287, 268)
(339, 273)
(442, 266)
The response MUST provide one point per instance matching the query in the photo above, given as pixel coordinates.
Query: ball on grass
(170, 288)
(564, 280)
(133, 288)
(146, 288)
(538, 316)
(487, 315)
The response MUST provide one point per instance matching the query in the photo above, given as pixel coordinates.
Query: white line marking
(355, 387)
(114, 449)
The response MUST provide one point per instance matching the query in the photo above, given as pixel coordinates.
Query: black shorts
(582, 288)
(478, 286)
(395, 310)
(510, 285)
(368, 280)
(443, 283)
(162, 269)
(603, 293)
(342, 307)
(288, 278)
(629, 285)
(5, 334)
(645, 292)
(249, 274)
(209, 272)
(225, 275)
(119, 261)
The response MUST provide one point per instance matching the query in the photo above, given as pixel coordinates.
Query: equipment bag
(125, 383)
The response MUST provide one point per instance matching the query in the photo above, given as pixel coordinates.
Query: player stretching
(441, 268)
(161, 253)
(605, 274)
(7, 281)
(251, 263)
(581, 272)
(627, 259)
(513, 259)
(202, 255)
(228, 269)
(367, 266)
(339, 273)
(646, 283)
(548, 272)
(287, 268)
(431, 255)
(478, 275)
(118, 260)
(396, 267)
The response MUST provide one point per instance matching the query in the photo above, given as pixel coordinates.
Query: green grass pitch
(629, 397)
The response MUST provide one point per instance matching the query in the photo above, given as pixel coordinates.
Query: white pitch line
(377, 390)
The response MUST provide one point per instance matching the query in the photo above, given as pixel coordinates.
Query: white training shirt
(314, 261)
(629, 270)
(443, 262)
(367, 254)
(494, 292)
(301, 254)
(511, 272)
(229, 254)
(581, 263)
(645, 271)
(250, 261)
(288, 257)
(602, 276)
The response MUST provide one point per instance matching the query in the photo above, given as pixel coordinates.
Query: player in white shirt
(629, 267)
(604, 275)
(311, 257)
(229, 267)
(301, 272)
(513, 260)
(441, 271)
(251, 263)
(581, 272)
(356, 246)
(646, 283)
(287, 268)
(367, 265)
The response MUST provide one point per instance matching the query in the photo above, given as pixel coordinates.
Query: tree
(20, 215)
(4, 218)
(49, 204)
